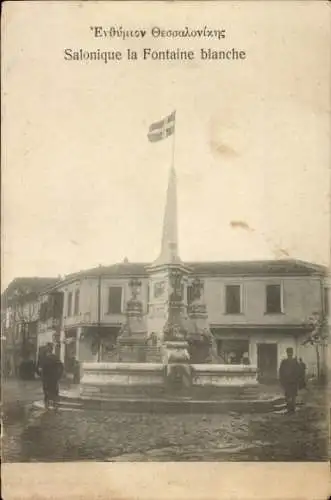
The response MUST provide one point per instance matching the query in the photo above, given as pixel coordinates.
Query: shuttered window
(76, 307)
(233, 299)
(115, 300)
(69, 309)
(326, 300)
(190, 295)
(273, 299)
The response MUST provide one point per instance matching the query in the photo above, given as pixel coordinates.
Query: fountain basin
(122, 378)
(122, 373)
(136, 380)
(217, 375)
(142, 388)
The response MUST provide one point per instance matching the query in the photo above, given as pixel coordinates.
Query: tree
(318, 335)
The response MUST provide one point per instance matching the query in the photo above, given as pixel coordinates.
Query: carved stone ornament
(178, 378)
(159, 289)
(134, 306)
(173, 331)
(197, 288)
(135, 285)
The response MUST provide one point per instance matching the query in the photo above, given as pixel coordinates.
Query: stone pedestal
(132, 340)
(167, 315)
(132, 351)
(202, 346)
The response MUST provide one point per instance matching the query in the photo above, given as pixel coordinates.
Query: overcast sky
(81, 183)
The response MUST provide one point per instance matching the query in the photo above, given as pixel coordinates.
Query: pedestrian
(245, 359)
(302, 374)
(50, 370)
(289, 376)
(232, 358)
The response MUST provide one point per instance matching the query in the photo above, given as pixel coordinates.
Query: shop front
(261, 346)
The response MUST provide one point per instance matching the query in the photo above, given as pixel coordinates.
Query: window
(58, 305)
(76, 306)
(43, 311)
(233, 351)
(273, 299)
(326, 301)
(69, 310)
(115, 300)
(189, 294)
(49, 307)
(148, 296)
(233, 299)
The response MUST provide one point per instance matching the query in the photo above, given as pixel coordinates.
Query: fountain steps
(203, 393)
(179, 405)
(141, 400)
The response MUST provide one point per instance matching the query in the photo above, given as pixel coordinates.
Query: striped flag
(162, 129)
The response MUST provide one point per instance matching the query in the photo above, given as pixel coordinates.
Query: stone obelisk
(167, 317)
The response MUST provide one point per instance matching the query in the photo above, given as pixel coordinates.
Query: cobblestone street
(74, 435)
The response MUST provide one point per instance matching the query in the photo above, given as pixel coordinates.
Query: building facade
(254, 308)
(93, 311)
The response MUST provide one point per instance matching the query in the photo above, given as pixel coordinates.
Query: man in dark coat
(289, 377)
(50, 370)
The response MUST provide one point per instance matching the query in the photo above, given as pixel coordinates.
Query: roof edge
(114, 270)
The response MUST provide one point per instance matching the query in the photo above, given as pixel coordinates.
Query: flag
(162, 129)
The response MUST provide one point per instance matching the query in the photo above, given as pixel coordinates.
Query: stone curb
(174, 405)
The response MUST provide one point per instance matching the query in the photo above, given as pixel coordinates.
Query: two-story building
(261, 308)
(93, 308)
(257, 308)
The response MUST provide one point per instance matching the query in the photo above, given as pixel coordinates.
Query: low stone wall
(224, 375)
(122, 378)
(149, 379)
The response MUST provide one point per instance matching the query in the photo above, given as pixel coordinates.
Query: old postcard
(165, 250)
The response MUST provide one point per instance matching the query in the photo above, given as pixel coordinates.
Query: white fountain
(167, 358)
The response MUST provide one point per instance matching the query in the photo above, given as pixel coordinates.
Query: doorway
(267, 362)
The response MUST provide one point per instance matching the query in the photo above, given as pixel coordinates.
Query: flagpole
(173, 148)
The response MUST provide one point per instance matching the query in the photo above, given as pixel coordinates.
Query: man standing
(289, 377)
(50, 370)
(245, 359)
